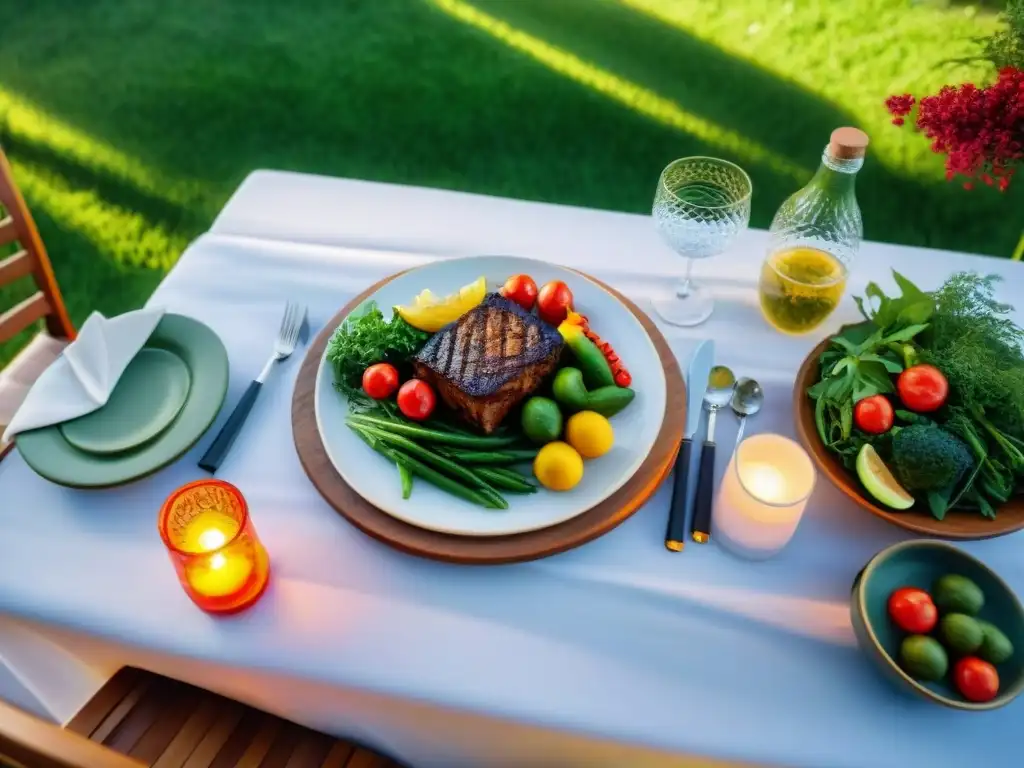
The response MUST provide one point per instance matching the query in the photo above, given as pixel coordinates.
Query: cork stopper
(848, 143)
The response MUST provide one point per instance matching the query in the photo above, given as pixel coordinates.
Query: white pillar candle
(762, 497)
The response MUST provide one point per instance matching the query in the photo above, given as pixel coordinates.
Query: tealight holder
(763, 496)
(213, 545)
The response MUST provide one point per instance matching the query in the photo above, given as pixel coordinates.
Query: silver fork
(284, 345)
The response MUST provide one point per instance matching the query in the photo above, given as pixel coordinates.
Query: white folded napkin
(81, 379)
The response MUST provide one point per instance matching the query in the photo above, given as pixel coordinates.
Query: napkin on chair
(81, 380)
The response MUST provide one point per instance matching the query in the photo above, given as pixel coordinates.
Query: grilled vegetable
(571, 392)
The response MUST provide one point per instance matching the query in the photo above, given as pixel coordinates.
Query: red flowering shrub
(979, 130)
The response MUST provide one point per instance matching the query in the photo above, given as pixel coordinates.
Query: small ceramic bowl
(919, 564)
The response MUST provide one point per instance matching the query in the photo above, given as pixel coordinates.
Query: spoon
(721, 383)
(747, 399)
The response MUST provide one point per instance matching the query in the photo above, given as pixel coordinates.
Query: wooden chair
(46, 304)
(141, 719)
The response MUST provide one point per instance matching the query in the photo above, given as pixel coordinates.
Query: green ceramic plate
(918, 564)
(50, 454)
(149, 394)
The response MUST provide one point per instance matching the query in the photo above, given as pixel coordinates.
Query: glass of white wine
(700, 206)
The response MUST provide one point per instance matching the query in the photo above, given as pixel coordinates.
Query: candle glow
(220, 561)
(763, 496)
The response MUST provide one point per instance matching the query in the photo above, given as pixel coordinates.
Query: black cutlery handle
(676, 533)
(700, 531)
(215, 454)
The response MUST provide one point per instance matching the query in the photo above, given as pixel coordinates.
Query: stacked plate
(165, 400)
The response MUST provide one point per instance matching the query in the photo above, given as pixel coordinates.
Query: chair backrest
(28, 742)
(30, 259)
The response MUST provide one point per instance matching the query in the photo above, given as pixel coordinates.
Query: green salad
(933, 382)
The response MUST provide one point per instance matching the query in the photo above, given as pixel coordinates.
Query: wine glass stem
(685, 286)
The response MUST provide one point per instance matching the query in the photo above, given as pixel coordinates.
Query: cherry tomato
(913, 610)
(977, 680)
(416, 399)
(922, 388)
(873, 415)
(380, 380)
(522, 290)
(554, 302)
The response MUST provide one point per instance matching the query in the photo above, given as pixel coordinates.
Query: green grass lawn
(130, 122)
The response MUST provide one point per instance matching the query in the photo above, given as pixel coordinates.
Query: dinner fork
(287, 338)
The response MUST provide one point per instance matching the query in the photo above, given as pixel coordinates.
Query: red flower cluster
(979, 130)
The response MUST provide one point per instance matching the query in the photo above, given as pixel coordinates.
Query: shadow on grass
(212, 91)
(768, 110)
(113, 189)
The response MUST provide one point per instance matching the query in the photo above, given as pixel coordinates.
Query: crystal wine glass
(700, 206)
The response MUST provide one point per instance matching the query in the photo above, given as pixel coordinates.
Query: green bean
(406, 477)
(498, 479)
(442, 463)
(419, 469)
(511, 456)
(512, 474)
(425, 434)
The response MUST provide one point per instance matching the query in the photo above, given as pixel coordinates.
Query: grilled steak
(489, 359)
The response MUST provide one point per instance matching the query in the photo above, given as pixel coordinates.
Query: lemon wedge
(880, 481)
(430, 313)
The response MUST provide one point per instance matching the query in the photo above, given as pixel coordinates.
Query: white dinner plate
(636, 428)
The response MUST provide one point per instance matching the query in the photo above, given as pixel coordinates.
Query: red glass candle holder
(219, 559)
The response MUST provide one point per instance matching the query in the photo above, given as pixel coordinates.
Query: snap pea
(428, 435)
(510, 456)
(512, 483)
(419, 469)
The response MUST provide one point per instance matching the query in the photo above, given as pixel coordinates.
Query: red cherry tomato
(873, 415)
(380, 380)
(913, 610)
(554, 302)
(522, 290)
(922, 388)
(416, 399)
(977, 680)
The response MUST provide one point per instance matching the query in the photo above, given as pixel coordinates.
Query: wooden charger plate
(486, 549)
(958, 524)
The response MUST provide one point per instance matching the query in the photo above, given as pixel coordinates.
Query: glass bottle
(814, 239)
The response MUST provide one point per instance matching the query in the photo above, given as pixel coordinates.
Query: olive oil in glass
(814, 239)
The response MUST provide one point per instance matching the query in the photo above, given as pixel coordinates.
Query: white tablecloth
(615, 653)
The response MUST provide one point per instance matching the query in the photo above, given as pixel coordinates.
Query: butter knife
(696, 382)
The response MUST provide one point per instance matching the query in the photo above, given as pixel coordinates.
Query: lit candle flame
(212, 539)
(765, 481)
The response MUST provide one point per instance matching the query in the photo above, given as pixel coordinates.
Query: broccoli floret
(927, 458)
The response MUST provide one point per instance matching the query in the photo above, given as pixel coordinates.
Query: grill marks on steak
(489, 359)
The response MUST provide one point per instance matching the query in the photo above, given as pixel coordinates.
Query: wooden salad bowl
(959, 525)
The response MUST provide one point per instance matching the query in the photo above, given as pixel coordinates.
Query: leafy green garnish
(968, 335)
(365, 338)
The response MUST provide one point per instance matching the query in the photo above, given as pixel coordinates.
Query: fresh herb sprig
(365, 338)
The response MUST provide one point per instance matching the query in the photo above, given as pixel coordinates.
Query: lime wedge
(879, 480)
